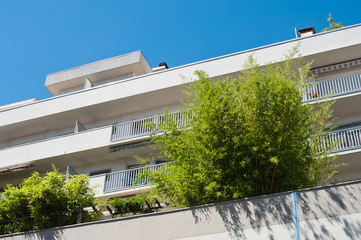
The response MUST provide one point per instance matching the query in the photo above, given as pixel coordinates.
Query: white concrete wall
(100, 123)
(332, 212)
(97, 183)
(57, 146)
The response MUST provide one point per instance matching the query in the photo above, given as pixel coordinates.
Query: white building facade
(96, 122)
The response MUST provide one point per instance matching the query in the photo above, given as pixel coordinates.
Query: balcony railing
(145, 126)
(319, 90)
(343, 140)
(333, 87)
(128, 178)
(346, 139)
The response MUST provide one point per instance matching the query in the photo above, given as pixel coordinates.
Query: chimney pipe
(306, 32)
(161, 66)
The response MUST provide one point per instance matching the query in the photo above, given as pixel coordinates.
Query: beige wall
(332, 212)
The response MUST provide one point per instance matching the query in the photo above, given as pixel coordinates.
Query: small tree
(332, 24)
(248, 136)
(44, 202)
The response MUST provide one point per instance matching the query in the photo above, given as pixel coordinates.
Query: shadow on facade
(48, 234)
(330, 204)
(254, 213)
(321, 210)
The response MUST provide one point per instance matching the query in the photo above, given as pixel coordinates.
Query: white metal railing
(333, 87)
(319, 90)
(146, 126)
(126, 179)
(342, 139)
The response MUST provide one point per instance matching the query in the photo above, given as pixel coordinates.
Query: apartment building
(95, 123)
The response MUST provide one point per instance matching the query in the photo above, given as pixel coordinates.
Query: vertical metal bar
(295, 216)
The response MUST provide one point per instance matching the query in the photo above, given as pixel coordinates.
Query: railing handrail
(127, 178)
(142, 119)
(332, 87)
(135, 169)
(345, 139)
(146, 118)
(139, 127)
(344, 129)
(330, 79)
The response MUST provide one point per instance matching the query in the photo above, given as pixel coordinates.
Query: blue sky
(43, 37)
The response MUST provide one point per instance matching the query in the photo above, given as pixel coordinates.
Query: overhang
(133, 64)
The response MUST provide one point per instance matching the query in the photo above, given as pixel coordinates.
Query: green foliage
(44, 202)
(332, 25)
(248, 136)
(135, 204)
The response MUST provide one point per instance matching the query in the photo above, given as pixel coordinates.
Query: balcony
(96, 140)
(138, 130)
(320, 90)
(145, 126)
(126, 179)
(56, 148)
(344, 140)
(333, 88)
(328, 88)
(122, 181)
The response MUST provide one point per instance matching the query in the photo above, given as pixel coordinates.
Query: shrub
(44, 202)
